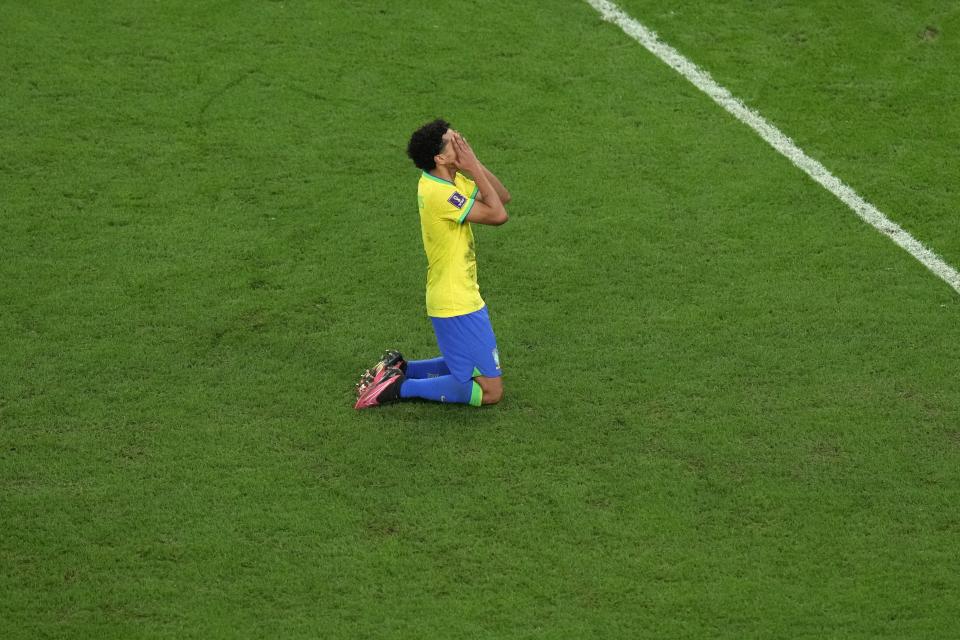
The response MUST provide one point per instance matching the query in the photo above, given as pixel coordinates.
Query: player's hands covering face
(466, 158)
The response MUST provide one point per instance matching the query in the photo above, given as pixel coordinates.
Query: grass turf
(730, 405)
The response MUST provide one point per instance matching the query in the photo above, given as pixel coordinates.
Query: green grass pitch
(731, 407)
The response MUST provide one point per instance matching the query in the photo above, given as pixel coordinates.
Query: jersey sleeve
(470, 189)
(455, 202)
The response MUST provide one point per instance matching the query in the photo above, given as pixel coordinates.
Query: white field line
(776, 139)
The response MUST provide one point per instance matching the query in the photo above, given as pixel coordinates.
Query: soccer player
(455, 190)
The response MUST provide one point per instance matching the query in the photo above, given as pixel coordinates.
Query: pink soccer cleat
(383, 389)
(391, 358)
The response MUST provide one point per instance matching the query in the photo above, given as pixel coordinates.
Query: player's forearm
(488, 193)
(494, 182)
(497, 185)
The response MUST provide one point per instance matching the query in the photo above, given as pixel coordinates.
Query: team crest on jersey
(457, 199)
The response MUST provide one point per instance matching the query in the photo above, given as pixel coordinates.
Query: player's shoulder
(437, 190)
(430, 182)
(460, 182)
(466, 186)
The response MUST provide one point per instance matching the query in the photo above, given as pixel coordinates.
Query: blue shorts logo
(457, 200)
(496, 358)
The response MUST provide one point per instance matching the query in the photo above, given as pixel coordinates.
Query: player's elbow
(506, 197)
(501, 219)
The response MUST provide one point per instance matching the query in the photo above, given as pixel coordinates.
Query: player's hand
(466, 158)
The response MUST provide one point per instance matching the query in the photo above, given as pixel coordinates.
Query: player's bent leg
(492, 389)
(440, 389)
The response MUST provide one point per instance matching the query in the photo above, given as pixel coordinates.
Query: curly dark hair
(426, 142)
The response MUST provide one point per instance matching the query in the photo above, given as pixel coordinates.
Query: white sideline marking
(776, 139)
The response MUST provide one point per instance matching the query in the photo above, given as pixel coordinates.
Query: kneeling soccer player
(455, 189)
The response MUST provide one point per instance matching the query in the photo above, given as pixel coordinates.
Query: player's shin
(431, 368)
(443, 389)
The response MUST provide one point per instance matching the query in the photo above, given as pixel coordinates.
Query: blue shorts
(468, 345)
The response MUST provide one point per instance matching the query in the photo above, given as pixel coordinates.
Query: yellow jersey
(452, 288)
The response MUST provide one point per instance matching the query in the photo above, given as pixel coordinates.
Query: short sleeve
(455, 203)
(467, 186)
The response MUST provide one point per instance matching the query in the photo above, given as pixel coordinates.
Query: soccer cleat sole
(371, 395)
